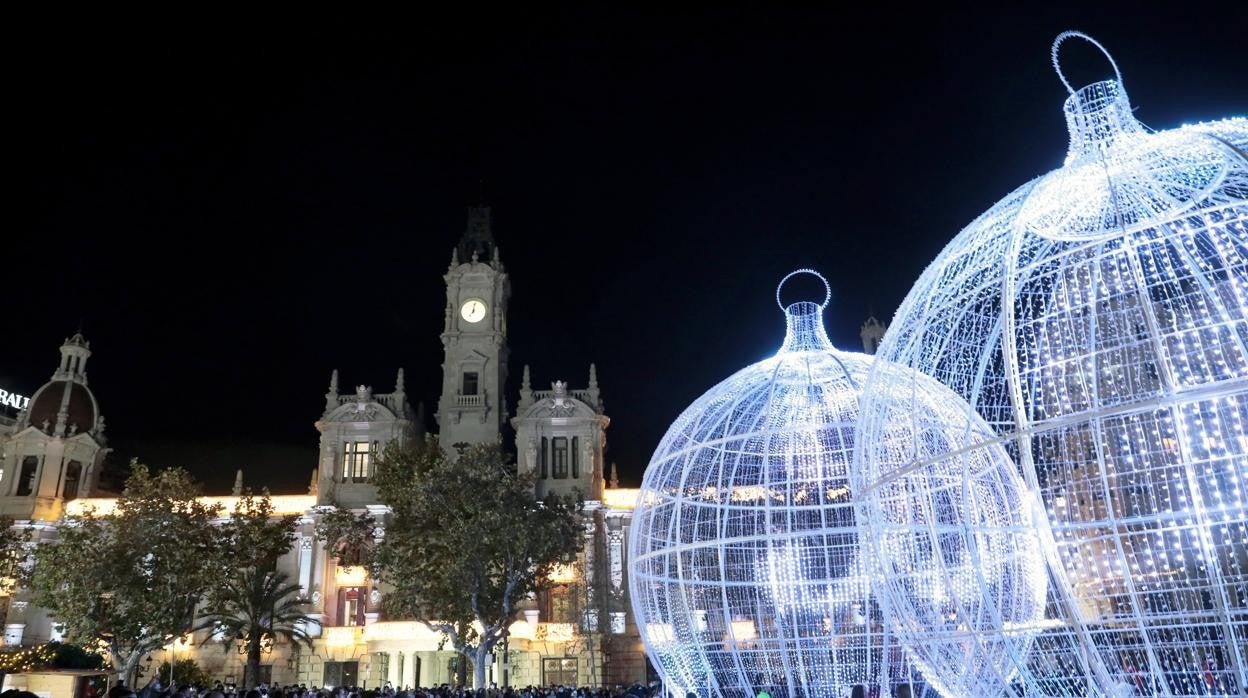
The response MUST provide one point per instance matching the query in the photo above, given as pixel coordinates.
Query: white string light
(1095, 319)
(745, 568)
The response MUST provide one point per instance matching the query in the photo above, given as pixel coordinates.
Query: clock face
(473, 310)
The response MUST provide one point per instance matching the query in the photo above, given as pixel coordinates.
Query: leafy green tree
(255, 603)
(13, 556)
(185, 673)
(465, 542)
(132, 577)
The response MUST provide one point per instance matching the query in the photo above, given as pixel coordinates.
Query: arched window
(576, 457)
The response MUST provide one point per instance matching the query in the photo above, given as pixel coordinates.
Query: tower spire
(478, 237)
(331, 395)
(526, 390)
(74, 354)
(593, 391)
(615, 477)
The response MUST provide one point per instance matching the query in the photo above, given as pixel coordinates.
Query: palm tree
(254, 606)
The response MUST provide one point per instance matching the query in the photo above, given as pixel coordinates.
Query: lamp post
(183, 640)
(506, 659)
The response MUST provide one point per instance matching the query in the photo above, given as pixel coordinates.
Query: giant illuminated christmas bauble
(744, 567)
(1095, 318)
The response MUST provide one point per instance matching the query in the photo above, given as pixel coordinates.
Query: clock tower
(472, 408)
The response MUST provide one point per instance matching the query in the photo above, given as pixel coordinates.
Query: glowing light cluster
(343, 636)
(283, 504)
(350, 576)
(619, 498)
(1095, 319)
(745, 568)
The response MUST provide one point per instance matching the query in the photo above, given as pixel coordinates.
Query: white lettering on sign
(13, 400)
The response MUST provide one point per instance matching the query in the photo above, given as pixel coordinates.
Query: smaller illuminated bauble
(473, 310)
(744, 569)
(1096, 319)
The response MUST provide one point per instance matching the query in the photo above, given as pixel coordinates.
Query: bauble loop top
(1057, 66)
(1119, 178)
(827, 296)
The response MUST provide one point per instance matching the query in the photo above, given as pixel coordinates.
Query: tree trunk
(127, 667)
(252, 676)
(478, 665)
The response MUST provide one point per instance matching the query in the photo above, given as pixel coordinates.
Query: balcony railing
(469, 400)
(582, 395)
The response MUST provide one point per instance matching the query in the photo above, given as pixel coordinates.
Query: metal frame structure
(744, 564)
(1094, 319)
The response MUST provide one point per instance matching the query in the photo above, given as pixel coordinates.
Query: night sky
(231, 210)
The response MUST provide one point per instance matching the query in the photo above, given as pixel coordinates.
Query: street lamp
(182, 640)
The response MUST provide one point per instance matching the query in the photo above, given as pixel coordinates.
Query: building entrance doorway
(341, 674)
(559, 671)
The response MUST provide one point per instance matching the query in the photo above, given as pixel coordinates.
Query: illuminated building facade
(578, 631)
(581, 630)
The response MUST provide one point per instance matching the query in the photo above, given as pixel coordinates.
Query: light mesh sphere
(744, 564)
(1095, 318)
(952, 527)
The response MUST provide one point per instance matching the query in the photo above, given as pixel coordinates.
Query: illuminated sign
(13, 400)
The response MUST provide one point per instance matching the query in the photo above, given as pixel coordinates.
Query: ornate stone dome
(81, 409)
(65, 402)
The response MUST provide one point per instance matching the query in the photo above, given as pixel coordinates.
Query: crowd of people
(155, 690)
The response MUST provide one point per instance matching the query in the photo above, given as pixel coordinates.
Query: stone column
(305, 564)
(428, 669)
(395, 675)
(615, 551)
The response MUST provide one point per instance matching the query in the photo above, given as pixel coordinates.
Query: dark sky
(232, 210)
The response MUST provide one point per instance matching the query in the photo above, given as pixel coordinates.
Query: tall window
(73, 474)
(357, 460)
(26, 479)
(558, 604)
(559, 456)
(471, 379)
(351, 605)
(541, 457)
(576, 457)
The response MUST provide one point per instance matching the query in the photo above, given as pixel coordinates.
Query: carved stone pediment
(559, 403)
